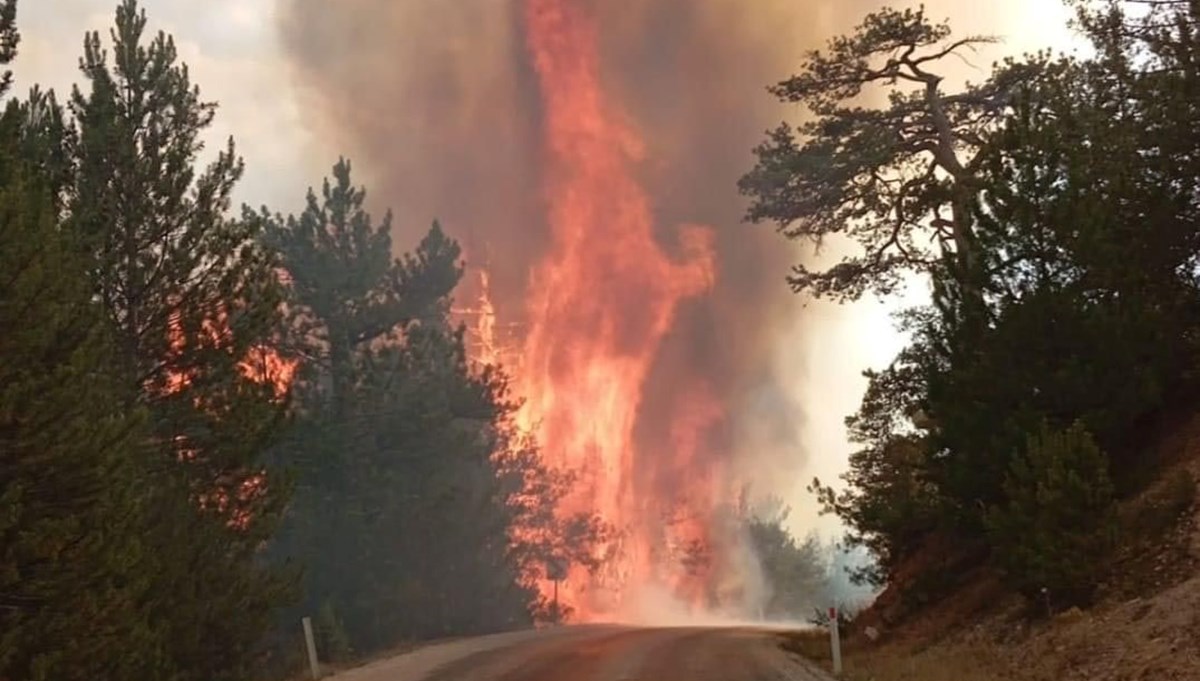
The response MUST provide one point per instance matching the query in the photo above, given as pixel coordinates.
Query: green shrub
(332, 640)
(1058, 522)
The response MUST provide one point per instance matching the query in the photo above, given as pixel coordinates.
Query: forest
(1052, 211)
(217, 420)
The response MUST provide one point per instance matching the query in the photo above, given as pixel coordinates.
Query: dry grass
(1153, 638)
(900, 663)
(810, 644)
(979, 663)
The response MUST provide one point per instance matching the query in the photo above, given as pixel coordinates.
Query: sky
(237, 58)
(232, 51)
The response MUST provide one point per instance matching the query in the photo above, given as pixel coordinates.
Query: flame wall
(567, 143)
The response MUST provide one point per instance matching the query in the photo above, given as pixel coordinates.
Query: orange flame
(485, 348)
(262, 363)
(600, 305)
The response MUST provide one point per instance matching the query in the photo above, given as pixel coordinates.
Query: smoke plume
(444, 108)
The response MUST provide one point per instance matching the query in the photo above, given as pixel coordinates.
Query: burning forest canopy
(584, 160)
(587, 154)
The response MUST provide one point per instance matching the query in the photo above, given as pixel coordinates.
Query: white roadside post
(835, 642)
(313, 665)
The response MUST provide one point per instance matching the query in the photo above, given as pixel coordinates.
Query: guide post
(835, 643)
(313, 665)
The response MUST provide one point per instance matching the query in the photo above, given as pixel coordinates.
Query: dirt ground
(1145, 627)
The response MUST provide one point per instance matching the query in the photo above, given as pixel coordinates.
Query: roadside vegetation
(1026, 444)
(1051, 210)
(213, 421)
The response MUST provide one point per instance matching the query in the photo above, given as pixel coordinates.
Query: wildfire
(601, 302)
(545, 135)
(485, 347)
(261, 363)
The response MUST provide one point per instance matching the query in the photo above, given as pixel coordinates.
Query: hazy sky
(230, 48)
(234, 55)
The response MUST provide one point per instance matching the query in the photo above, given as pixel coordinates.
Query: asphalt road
(600, 653)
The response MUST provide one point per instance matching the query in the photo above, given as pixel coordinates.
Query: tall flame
(474, 134)
(601, 301)
(484, 348)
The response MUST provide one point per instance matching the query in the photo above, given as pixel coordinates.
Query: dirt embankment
(1146, 624)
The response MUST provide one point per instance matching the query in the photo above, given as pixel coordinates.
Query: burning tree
(410, 466)
(191, 299)
(600, 305)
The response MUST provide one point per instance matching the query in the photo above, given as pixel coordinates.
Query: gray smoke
(436, 102)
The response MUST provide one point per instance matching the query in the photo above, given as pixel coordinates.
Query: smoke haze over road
(445, 109)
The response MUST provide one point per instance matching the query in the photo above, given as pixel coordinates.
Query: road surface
(600, 653)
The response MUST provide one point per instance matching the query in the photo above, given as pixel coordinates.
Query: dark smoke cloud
(435, 104)
(436, 101)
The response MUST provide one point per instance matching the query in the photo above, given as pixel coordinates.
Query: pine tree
(899, 180)
(347, 294)
(796, 574)
(402, 512)
(193, 300)
(9, 39)
(1056, 528)
(44, 140)
(72, 572)
(71, 458)
(346, 289)
(889, 503)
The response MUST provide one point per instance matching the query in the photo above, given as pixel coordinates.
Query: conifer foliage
(408, 465)
(132, 428)
(70, 460)
(1063, 321)
(190, 297)
(1059, 518)
(168, 370)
